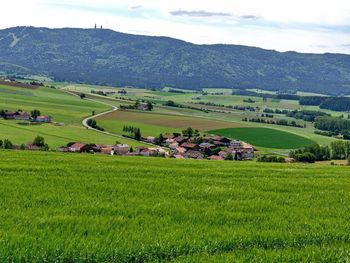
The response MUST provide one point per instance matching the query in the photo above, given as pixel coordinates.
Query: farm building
(121, 149)
(78, 147)
(9, 115)
(43, 119)
(142, 106)
(22, 115)
(150, 139)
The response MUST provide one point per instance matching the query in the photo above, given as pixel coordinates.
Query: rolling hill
(106, 57)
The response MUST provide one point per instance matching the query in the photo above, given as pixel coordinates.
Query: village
(211, 147)
(188, 145)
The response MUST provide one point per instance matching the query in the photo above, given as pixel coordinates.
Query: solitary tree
(35, 113)
(39, 141)
(7, 144)
(82, 96)
(149, 106)
(188, 132)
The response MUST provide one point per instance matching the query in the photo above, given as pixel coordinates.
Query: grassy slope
(77, 207)
(61, 106)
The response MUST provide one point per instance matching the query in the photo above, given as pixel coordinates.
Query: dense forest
(102, 56)
(329, 103)
(335, 125)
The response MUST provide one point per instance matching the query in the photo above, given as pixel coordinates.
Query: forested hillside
(106, 57)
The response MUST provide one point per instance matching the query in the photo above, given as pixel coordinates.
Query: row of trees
(338, 150)
(282, 122)
(276, 111)
(271, 159)
(337, 126)
(312, 153)
(306, 115)
(133, 132)
(93, 124)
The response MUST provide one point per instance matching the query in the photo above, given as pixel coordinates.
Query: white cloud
(301, 25)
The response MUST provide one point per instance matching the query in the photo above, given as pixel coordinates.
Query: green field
(265, 137)
(154, 123)
(89, 208)
(63, 107)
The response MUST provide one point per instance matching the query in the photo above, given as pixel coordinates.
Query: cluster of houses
(118, 149)
(25, 116)
(212, 147)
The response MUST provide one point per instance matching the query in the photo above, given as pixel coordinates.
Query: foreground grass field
(89, 208)
(266, 137)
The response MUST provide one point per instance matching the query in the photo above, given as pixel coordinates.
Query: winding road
(114, 108)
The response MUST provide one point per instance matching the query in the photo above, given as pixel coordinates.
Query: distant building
(121, 149)
(9, 115)
(43, 119)
(78, 147)
(142, 106)
(22, 115)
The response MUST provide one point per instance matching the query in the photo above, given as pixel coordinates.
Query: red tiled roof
(78, 145)
(188, 145)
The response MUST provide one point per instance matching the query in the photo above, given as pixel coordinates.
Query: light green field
(265, 137)
(63, 107)
(154, 123)
(89, 208)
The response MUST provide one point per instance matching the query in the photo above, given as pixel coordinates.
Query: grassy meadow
(93, 208)
(63, 107)
(266, 137)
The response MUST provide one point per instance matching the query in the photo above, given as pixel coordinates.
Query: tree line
(338, 150)
(133, 132)
(335, 125)
(330, 103)
(306, 115)
(282, 122)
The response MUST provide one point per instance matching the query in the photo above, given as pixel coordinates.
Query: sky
(313, 26)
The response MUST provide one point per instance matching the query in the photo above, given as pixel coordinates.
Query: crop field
(94, 208)
(266, 137)
(65, 108)
(156, 123)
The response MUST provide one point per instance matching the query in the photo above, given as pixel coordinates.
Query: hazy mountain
(108, 57)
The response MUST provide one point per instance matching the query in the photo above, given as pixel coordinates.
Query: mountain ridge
(103, 56)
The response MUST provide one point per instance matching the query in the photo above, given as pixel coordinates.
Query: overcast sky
(301, 25)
